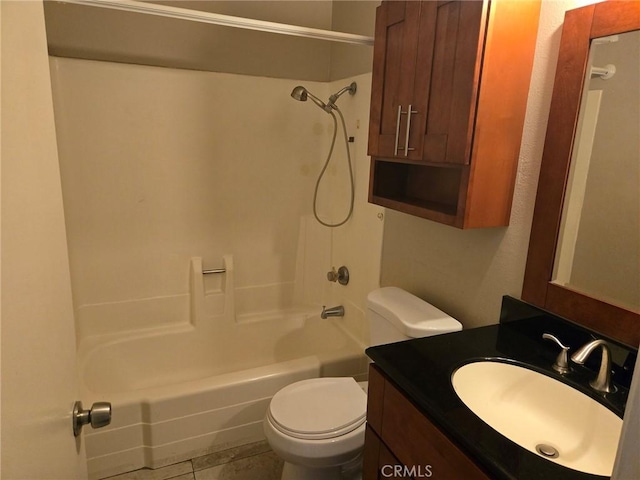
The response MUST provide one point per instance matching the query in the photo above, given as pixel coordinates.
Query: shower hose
(324, 169)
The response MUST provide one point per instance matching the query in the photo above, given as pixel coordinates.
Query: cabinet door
(426, 74)
(417, 442)
(447, 79)
(379, 463)
(395, 50)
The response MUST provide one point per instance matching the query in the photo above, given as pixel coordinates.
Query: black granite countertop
(422, 369)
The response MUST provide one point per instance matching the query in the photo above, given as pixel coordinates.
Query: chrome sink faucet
(602, 383)
(332, 312)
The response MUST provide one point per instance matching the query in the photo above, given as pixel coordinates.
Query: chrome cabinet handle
(98, 416)
(395, 149)
(410, 111)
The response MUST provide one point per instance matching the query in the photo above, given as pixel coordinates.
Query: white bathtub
(182, 391)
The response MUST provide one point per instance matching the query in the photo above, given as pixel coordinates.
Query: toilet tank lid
(411, 315)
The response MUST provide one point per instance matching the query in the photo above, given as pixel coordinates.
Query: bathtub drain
(547, 450)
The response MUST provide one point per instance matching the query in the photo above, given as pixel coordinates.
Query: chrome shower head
(302, 94)
(299, 93)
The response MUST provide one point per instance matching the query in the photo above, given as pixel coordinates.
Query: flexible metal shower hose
(326, 164)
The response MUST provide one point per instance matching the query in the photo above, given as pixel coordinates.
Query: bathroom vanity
(416, 420)
(393, 420)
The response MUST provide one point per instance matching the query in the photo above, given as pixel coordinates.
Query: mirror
(598, 250)
(555, 278)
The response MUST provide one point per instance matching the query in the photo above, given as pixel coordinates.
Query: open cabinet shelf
(426, 191)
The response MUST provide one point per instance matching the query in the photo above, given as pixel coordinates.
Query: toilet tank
(396, 315)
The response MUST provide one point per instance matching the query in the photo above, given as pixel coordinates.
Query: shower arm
(349, 88)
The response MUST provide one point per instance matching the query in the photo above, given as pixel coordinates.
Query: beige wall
(466, 273)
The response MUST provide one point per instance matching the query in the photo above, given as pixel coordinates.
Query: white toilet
(317, 426)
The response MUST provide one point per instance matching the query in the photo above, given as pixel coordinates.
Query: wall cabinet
(449, 93)
(400, 437)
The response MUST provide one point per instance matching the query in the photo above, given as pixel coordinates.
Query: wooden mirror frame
(581, 25)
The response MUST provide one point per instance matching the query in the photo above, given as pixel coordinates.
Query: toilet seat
(319, 408)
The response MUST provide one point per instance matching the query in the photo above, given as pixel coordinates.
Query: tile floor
(254, 461)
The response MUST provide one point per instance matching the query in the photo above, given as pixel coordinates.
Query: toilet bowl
(317, 425)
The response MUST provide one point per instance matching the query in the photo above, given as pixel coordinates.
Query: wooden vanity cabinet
(399, 434)
(449, 92)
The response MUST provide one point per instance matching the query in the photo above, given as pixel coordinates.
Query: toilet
(317, 425)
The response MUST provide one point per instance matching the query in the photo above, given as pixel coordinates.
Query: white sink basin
(532, 409)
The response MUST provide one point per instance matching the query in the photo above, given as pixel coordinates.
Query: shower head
(299, 93)
(302, 94)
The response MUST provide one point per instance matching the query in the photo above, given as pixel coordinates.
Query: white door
(38, 339)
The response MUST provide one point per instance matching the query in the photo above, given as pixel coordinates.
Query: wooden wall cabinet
(398, 434)
(449, 93)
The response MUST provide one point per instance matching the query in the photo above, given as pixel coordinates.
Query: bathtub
(181, 391)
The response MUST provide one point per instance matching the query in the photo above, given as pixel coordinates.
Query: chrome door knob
(98, 416)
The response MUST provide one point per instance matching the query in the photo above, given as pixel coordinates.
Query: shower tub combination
(189, 389)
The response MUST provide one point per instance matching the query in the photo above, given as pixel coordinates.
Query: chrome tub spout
(332, 312)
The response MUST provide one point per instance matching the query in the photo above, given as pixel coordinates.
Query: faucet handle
(341, 276)
(332, 275)
(561, 364)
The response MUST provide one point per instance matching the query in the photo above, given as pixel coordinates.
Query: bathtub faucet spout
(332, 312)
